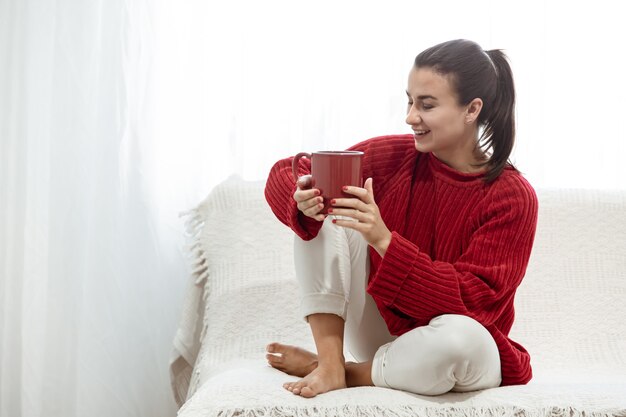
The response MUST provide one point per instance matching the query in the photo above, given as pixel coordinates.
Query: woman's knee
(459, 337)
(452, 350)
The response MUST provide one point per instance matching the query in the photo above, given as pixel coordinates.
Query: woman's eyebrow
(423, 97)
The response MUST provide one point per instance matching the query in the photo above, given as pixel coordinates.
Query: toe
(297, 387)
(307, 392)
(274, 359)
(276, 347)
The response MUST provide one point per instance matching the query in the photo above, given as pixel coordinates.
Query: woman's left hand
(364, 210)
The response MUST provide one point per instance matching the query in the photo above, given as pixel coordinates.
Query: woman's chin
(421, 146)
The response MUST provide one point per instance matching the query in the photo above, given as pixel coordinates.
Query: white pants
(452, 352)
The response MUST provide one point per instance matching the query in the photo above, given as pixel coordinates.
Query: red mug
(330, 171)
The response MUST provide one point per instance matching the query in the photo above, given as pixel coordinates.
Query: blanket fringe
(409, 411)
(199, 266)
(193, 229)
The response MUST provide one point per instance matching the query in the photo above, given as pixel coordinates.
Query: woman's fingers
(364, 210)
(348, 212)
(307, 199)
(311, 207)
(350, 224)
(309, 202)
(304, 195)
(314, 211)
(353, 203)
(365, 194)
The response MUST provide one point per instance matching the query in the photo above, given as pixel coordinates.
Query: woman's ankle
(359, 374)
(327, 332)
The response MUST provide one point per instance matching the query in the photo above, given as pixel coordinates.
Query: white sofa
(570, 315)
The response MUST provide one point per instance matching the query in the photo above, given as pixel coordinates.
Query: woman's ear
(473, 110)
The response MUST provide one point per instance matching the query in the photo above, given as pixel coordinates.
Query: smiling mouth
(421, 132)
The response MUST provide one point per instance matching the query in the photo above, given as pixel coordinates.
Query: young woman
(419, 269)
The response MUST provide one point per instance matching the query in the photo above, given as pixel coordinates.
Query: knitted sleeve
(483, 278)
(279, 190)
(281, 185)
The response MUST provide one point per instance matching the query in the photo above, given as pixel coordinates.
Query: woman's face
(440, 125)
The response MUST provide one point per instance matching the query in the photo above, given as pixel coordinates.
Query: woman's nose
(413, 116)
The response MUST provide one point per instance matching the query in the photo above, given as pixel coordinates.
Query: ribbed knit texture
(459, 245)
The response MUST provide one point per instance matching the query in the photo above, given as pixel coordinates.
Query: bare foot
(316, 378)
(292, 360)
(326, 377)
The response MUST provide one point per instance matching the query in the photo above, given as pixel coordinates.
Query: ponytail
(498, 136)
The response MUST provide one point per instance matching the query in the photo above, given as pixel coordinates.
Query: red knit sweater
(459, 246)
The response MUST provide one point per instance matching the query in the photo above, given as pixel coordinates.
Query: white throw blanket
(570, 316)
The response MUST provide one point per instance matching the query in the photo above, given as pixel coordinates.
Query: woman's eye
(427, 106)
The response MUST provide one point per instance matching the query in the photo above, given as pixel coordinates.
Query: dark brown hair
(475, 73)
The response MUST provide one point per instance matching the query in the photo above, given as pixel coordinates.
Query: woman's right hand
(309, 200)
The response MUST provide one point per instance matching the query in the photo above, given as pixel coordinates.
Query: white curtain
(91, 282)
(116, 115)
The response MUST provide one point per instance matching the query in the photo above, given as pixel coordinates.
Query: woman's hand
(364, 210)
(310, 203)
